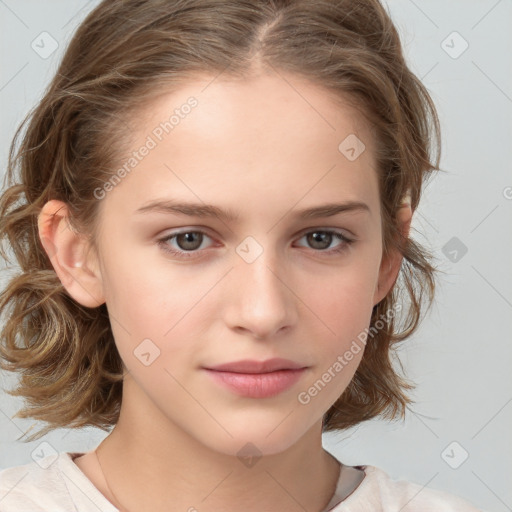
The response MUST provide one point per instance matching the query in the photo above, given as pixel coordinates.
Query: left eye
(322, 239)
(189, 242)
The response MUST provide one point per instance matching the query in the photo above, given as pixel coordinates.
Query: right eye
(187, 243)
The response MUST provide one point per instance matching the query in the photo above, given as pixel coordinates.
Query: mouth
(253, 366)
(257, 379)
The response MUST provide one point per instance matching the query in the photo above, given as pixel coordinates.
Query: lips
(257, 379)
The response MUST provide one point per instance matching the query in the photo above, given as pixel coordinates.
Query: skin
(264, 150)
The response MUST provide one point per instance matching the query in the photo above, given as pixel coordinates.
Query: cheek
(345, 308)
(140, 287)
(155, 311)
(344, 300)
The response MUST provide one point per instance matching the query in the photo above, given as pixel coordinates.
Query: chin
(257, 437)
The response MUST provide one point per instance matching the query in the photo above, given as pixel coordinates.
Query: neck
(150, 467)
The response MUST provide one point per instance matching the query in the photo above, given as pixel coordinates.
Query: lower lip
(257, 385)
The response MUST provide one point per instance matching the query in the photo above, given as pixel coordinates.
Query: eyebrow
(208, 210)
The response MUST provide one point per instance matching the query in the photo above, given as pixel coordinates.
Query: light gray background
(461, 357)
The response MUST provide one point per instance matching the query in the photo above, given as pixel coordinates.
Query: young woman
(210, 208)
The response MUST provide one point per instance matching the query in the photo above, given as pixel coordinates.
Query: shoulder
(53, 483)
(378, 491)
(34, 486)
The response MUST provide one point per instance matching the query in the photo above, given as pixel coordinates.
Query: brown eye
(321, 239)
(189, 241)
(186, 243)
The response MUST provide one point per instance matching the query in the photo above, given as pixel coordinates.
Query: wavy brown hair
(125, 54)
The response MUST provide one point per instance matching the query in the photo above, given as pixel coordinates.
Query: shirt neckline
(78, 483)
(80, 479)
(342, 493)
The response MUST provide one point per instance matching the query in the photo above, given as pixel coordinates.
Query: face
(187, 291)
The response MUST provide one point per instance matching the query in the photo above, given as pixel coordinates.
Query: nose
(261, 302)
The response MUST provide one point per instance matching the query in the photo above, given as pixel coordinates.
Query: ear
(390, 266)
(70, 253)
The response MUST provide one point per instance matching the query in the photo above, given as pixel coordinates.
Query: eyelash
(193, 254)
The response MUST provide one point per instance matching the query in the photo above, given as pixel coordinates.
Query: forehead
(275, 137)
(257, 104)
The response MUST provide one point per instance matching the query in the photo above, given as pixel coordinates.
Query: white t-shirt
(56, 484)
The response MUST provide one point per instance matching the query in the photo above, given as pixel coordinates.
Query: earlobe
(69, 252)
(390, 266)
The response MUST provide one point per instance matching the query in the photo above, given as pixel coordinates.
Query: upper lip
(253, 366)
